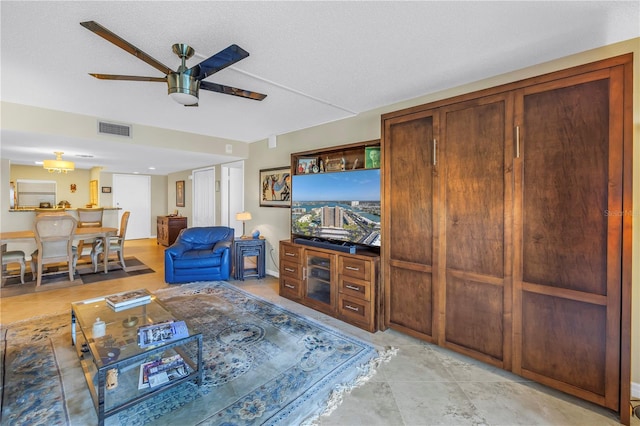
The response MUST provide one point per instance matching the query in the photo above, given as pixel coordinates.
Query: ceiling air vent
(105, 128)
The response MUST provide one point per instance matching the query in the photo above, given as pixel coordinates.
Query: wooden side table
(243, 248)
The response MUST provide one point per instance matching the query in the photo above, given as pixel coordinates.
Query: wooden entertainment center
(342, 282)
(343, 285)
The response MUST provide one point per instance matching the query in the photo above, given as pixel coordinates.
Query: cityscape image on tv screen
(342, 206)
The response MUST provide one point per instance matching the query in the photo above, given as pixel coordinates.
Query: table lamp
(243, 216)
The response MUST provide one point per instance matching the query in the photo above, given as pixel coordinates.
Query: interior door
(232, 195)
(475, 211)
(409, 224)
(567, 276)
(133, 193)
(204, 197)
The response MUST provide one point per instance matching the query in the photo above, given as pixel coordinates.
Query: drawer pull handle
(289, 270)
(290, 286)
(351, 268)
(352, 287)
(286, 253)
(353, 308)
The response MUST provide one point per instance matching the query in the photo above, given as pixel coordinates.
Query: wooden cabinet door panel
(568, 333)
(476, 218)
(568, 276)
(474, 318)
(565, 190)
(409, 184)
(410, 302)
(408, 218)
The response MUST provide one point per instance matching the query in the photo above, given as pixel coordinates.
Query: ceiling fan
(184, 84)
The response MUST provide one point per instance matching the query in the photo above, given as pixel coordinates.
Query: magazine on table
(161, 371)
(119, 300)
(162, 332)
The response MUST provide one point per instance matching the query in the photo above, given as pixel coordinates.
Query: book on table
(162, 370)
(126, 298)
(130, 305)
(161, 332)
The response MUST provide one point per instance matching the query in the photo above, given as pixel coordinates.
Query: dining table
(81, 234)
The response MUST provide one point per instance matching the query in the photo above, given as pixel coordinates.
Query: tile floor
(422, 385)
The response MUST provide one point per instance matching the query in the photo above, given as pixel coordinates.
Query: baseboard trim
(273, 273)
(635, 390)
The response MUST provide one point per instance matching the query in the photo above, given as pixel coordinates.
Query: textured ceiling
(317, 61)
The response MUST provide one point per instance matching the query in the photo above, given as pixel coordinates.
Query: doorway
(204, 197)
(232, 195)
(133, 193)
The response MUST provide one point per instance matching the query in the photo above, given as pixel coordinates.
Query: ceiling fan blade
(217, 62)
(128, 77)
(125, 45)
(228, 90)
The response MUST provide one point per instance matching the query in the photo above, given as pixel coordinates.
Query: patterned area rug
(262, 365)
(84, 275)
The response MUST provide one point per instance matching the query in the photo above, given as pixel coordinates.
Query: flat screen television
(337, 207)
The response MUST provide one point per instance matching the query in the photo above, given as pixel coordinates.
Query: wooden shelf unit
(336, 159)
(343, 285)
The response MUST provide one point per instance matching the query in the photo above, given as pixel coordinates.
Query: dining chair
(14, 256)
(88, 218)
(116, 244)
(54, 243)
(50, 211)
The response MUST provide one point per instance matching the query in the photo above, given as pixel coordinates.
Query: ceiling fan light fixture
(183, 88)
(58, 165)
(184, 84)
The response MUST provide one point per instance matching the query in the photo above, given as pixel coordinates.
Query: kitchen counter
(32, 209)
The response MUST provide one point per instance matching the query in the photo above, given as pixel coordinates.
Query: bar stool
(15, 256)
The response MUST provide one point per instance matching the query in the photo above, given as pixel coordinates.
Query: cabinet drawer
(290, 288)
(291, 270)
(289, 252)
(356, 268)
(355, 311)
(355, 288)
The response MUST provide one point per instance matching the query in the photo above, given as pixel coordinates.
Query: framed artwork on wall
(307, 165)
(179, 193)
(372, 157)
(106, 190)
(275, 187)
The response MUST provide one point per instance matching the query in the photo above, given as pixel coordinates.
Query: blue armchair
(199, 254)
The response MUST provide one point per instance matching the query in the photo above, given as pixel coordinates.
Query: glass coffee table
(116, 368)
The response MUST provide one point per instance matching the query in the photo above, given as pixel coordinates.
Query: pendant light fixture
(58, 165)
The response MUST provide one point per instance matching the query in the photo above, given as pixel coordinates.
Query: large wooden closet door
(408, 220)
(476, 183)
(567, 273)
